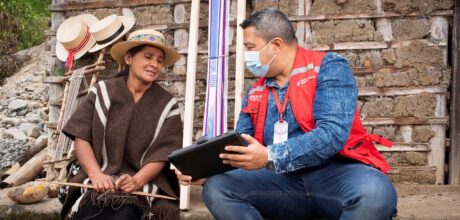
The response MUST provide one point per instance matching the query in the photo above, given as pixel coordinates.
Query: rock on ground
(10, 150)
(23, 101)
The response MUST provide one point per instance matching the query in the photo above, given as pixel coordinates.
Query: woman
(123, 132)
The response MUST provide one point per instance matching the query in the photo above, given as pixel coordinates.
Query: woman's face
(147, 64)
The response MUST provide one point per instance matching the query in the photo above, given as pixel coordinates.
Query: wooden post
(308, 35)
(300, 32)
(190, 92)
(239, 68)
(454, 157)
(55, 90)
(28, 171)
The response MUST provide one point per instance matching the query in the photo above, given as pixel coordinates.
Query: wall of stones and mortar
(398, 51)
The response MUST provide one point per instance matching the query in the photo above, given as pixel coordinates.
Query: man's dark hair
(271, 23)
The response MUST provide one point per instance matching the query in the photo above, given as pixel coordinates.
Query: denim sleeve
(333, 111)
(244, 124)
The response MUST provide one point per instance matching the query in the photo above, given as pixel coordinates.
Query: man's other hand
(252, 157)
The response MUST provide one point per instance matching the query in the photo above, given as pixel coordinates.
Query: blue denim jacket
(333, 110)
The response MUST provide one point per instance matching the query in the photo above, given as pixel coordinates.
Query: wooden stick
(100, 59)
(28, 171)
(134, 193)
(96, 64)
(239, 66)
(10, 171)
(184, 202)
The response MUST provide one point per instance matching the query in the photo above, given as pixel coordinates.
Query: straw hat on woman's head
(110, 29)
(73, 38)
(144, 37)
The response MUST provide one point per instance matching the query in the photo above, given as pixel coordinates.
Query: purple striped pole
(215, 115)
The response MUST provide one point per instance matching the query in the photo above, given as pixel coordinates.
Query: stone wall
(398, 50)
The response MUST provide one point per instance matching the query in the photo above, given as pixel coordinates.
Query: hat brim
(128, 23)
(119, 50)
(62, 53)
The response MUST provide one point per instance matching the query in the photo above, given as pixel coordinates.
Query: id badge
(281, 132)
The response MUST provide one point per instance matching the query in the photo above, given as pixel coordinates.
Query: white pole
(239, 68)
(184, 203)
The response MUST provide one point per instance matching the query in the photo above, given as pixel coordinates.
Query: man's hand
(127, 183)
(187, 180)
(252, 157)
(101, 182)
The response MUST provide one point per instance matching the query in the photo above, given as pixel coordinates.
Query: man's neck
(282, 78)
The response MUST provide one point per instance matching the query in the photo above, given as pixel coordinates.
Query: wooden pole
(97, 64)
(55, 90)
(100, 60)
(134, 193)
(10, 171)
(190, 92)
(28, 171)
(454, 159)
(239, 68)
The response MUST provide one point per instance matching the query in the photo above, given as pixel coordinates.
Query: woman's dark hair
(133, 51)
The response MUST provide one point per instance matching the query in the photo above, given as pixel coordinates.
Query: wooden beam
(368, 45)
(63, 79)
(406, 121)
(58, 102)
(160, 27)
(454, 155)
(299, 18)
(69, 6)
(401, 91)
(405, 147)
(396, 170)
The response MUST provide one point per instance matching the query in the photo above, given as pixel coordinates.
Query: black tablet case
(201, 159)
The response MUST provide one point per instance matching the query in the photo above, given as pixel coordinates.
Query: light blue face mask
(253, 63)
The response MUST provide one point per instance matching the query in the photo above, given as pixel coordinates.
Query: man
(308, 154)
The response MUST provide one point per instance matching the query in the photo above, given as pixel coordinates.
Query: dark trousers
(88, 211)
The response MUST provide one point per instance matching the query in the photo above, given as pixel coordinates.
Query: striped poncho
(125, 136)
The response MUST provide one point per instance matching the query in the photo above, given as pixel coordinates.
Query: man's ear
(277, 44)
(128, 58)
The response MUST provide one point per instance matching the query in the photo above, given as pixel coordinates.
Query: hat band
(82, 43)
(113, 36)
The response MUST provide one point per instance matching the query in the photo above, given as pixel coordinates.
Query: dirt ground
(428, 202)
(415, 202)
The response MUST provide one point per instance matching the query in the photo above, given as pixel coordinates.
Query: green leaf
(59, 72)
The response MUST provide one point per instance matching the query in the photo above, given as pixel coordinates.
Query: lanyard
(281, 109)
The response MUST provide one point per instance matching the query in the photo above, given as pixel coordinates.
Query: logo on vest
(255, 98)
(303, 81)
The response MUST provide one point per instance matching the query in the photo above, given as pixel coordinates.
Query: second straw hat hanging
(109, 30)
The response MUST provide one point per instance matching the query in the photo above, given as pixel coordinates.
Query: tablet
(201, 159)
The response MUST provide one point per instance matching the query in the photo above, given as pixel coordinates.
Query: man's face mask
(253, 63)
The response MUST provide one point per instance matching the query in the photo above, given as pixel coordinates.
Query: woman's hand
(101, 182)
(127, 183)
(187, 180)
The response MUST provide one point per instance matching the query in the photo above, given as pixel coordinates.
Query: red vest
(302, 88)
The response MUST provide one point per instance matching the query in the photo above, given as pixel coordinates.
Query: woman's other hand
(187, 180)
(101, 182)
(127, 183)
